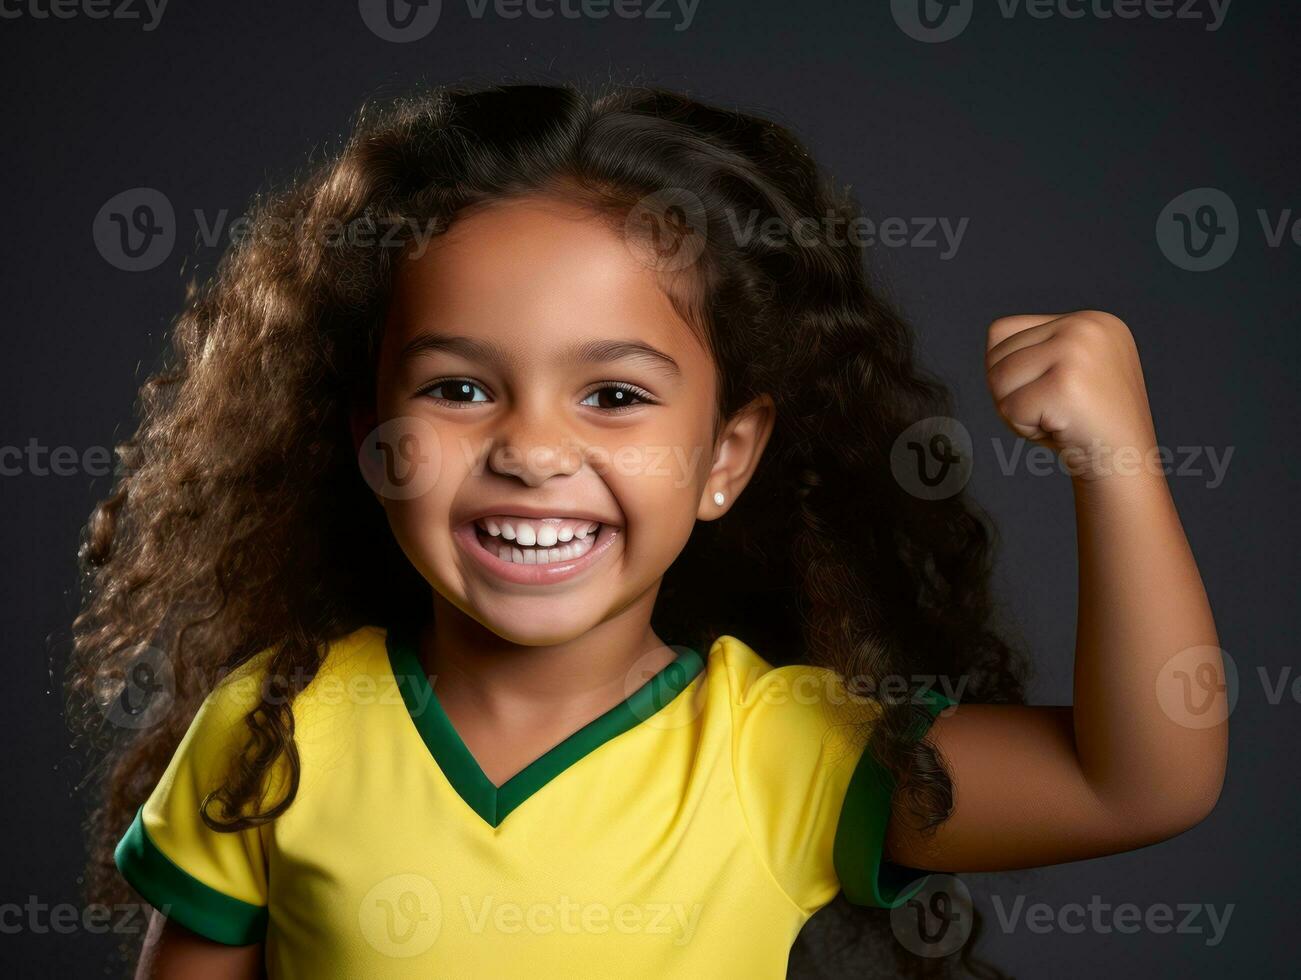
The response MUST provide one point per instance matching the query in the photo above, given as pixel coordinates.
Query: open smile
(532, 551)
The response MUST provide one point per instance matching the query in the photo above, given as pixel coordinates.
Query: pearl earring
(718, 498)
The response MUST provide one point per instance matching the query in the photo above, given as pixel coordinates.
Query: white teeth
(540, 556)
(540, 533)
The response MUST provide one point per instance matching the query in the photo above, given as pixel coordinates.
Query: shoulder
(752, 678)
(789, 700)
(345, 656)
(350, 661)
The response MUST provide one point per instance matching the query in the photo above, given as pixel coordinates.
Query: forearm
(1140, 755)
(1145, 641)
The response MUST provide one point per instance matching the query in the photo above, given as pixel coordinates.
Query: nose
(534, 451)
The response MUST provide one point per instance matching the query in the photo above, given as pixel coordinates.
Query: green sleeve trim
(865, 878)
(182, 897)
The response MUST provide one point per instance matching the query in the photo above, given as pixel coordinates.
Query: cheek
(409, 461)
(660, 519)
(657, 483)
(420, 466)
(664, 460)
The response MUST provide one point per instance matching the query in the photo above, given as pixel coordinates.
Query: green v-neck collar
(492, 802)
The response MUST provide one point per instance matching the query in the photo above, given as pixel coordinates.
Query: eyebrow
(581, 351)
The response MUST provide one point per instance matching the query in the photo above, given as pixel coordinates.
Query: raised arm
(1140, 756)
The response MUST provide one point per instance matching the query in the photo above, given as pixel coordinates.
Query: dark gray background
(1060, 139)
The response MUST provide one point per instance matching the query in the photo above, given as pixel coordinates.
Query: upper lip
(529, 510)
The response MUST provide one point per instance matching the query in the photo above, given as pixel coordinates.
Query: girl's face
(535, 382)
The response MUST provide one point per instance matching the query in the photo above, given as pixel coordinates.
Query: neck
(477, 672)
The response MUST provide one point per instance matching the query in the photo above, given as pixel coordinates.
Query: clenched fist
(1073, 382)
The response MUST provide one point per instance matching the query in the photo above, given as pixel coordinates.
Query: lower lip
(556, 571)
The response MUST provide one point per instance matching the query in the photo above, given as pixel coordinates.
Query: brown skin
(172, 952)
(1039, 785)
(519, 668)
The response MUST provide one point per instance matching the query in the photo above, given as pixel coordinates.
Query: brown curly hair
(209, 546)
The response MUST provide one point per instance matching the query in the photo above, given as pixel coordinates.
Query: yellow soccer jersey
(689, 831)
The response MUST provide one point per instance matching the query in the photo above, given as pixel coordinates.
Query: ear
(736, 455)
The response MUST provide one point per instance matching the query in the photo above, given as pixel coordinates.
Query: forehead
(533, 274)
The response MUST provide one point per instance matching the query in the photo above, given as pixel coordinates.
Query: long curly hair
(209, 546)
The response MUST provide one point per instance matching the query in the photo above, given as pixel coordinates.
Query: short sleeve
(212, 882)
(865, 876)
(816, 803)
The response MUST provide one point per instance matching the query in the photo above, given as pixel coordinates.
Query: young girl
(514, 563)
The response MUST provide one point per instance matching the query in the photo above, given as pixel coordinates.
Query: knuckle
(1100, 322)
(998, 326)
(1085, 330)
(1077, 348)
(1064, 383)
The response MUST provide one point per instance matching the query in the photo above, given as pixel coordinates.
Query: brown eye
(613, 397)
(458, 390)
